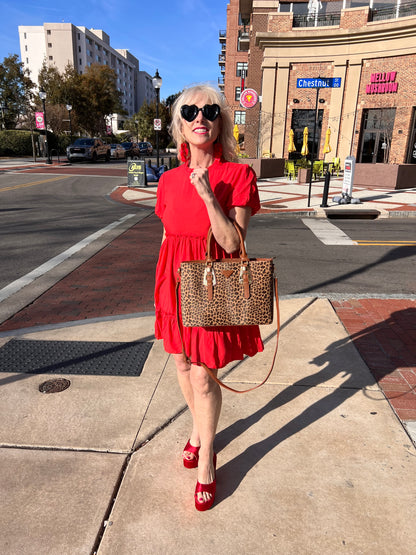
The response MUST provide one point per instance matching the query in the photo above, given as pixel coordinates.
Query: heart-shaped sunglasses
(209, 111)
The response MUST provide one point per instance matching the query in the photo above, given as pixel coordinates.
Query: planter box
(266, 167)
(304, 175)
(385, 176)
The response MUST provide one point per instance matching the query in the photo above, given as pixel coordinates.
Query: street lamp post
(42, 96)
(157, 83)
(69, 108)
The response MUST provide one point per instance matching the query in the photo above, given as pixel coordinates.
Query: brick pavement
(384, 333)
(117, 280)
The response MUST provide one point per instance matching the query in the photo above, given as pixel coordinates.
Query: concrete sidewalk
(313, 462)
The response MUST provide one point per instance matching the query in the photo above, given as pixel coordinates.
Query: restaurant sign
(382, 83)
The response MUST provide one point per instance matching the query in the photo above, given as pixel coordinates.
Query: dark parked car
(132, 149)
(88, 149)
(145, 148)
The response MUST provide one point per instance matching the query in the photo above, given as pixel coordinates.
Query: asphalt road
(43, 215)
(307, 266)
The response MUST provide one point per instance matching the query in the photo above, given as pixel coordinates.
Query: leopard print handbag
(226, 292)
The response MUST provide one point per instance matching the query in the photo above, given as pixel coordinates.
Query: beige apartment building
(60, 44)
(344, 65)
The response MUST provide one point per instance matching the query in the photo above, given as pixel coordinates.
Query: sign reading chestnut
(382, 83)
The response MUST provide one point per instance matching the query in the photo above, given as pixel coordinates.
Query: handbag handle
(208, 370)
(243, 252)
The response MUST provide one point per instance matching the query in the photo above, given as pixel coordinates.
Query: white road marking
(15, 286)
(327, 233)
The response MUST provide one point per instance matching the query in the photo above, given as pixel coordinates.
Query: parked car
(117, 151)
(145, 148)
(88, 149)
(132, 150)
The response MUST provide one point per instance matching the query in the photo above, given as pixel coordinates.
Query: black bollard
(326, 190)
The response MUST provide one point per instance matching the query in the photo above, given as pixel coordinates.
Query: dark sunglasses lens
(211, 111)
(189, 112)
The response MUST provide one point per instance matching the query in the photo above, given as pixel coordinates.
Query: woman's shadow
(233, 472)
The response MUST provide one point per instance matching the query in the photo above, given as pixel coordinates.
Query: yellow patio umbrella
(291, 147)
(305, 150)
(236, 134)
(327, 146)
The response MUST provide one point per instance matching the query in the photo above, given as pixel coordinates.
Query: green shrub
(18, 142)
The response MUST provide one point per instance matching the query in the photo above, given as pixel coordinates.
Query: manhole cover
(54, 386)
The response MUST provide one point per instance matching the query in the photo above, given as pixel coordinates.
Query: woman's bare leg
(183, 370)
(207, 400)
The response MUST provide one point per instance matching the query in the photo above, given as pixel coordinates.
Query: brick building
(364, 53)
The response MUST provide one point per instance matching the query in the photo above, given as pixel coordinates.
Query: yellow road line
(22, 185)
(387, 243)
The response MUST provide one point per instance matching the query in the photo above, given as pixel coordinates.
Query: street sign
(349, 169)
(157, 124)
(248, 98)
(319, 83)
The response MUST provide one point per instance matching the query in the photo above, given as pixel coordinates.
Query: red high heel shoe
(191, 463)
(208, 488)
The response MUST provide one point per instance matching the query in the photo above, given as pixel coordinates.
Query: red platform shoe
(191, 463)
(206, 488)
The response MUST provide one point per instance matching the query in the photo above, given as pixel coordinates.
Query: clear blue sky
(179, 38)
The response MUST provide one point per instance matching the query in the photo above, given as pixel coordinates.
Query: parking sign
(157, 124)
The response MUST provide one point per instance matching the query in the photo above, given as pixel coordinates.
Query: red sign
(249, 98)
(40, 120)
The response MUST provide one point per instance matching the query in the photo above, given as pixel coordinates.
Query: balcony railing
(222, 35)
(305, 20)
(393, 12)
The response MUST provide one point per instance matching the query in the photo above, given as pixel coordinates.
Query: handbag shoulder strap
(208, 370)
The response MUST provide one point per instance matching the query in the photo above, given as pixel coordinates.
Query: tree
(15, 91)
(141, 124)
(96, 97)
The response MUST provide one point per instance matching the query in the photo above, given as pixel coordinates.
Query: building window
(79, 36)
(24, 35)
(80, 62)
(302, 119)
(50, 58)
(376, 134)
(48, 32)
(242, 69)
(49, 45)
(240, 117)
(237, 93)
(79, 49)
(25, 47)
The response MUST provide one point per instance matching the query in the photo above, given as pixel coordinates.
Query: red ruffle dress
(186, 224)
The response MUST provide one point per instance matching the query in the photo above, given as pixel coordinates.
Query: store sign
(382, 83)
(319, 83)
(136, 173)
(40, 120)
(249, 98)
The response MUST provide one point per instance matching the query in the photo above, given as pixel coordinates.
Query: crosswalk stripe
(327, 233)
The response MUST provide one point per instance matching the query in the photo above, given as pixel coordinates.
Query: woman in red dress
(208, 189)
